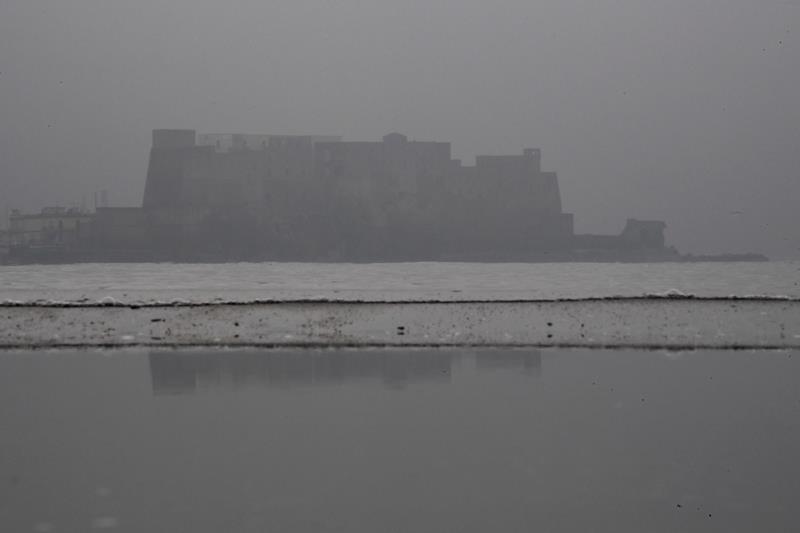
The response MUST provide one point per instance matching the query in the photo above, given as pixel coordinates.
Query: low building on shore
(4, 244)
(51, 232)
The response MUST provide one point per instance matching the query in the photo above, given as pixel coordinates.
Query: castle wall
(311, 195)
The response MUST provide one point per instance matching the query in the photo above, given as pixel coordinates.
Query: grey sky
(682, 110)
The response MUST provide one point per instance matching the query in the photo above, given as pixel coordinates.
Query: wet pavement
(399, 440)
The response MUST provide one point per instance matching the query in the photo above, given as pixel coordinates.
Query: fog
(685, 111)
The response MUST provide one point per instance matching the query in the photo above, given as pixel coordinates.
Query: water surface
(399, 440)
(147, 282)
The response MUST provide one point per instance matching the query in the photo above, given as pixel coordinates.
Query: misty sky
(681, 110)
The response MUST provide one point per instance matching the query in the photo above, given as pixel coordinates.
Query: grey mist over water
(678, 111)
(400, 440)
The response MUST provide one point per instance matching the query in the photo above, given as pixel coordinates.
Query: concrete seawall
(619, 322)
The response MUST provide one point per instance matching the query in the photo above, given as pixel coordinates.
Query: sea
(249, 282)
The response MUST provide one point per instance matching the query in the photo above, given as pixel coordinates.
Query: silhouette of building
(317, 198)
(53, 231)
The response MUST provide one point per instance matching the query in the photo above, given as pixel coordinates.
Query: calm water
(249, 281)
(399, 441)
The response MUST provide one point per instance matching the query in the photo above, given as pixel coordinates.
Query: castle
(318, 198)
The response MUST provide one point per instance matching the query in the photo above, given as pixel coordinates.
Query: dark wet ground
(397, 440)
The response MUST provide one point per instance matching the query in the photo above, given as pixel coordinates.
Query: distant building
(644, 233)
(216, 197)
(120, 233)
(58, 227)
(316, 197)
(4, 244)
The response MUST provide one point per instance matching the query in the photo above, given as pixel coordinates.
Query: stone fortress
(221, 197)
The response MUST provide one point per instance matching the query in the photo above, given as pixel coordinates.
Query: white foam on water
(671, 293)
(165, 284)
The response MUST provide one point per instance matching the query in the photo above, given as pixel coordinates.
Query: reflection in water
(323, 440)
(189, 371)
(527, 361)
